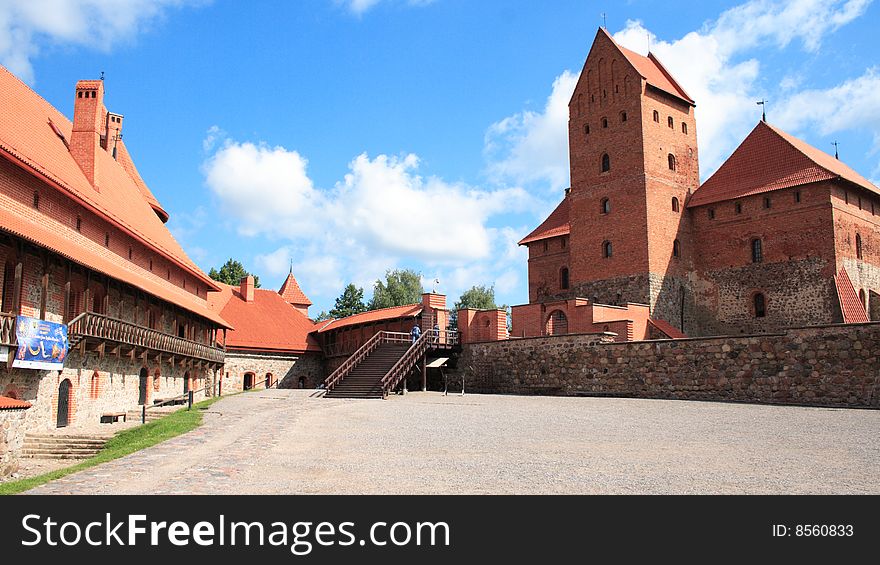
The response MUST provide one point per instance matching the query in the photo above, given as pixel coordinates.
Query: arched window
(586, 129)
(605, 208)
(676, 248)
(675, 205)
(684, 128)
(563, 278)
(757, 251)
(623, 116)
(606, 249)
(95, 386)
(738, 207)
(270, 380)
(604, 122)
(760, 303)
(670, 122)
(656, 116)
(858, 246)
(606, 163)
(671, 161)
(557, 323)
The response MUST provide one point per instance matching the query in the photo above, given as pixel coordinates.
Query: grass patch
(123, 443)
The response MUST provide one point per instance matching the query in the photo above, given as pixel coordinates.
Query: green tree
(323, 316)
(478, 297)
(401, 286)
(231, 273)
(350, 302)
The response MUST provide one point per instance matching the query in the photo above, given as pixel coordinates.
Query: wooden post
(16, 289)
(424, 373)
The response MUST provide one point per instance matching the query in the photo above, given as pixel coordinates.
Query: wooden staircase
(379, 365)
(365, 379)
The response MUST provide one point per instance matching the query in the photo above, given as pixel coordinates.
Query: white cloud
(358, 7)
(853, 104)
(380, 215)
(531, 147)
(27, 25)
(266, 188)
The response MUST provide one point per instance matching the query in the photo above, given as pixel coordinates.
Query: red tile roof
(769, 159)
(667, 328)
(268, 323)
(28, 139)
(124, 159)
(29, 224)
(652, 71)
(852, 308)
(382, 314)
(292, 293)
(7, 403)
(555, 225)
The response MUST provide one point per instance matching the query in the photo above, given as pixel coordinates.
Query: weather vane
(763, 105)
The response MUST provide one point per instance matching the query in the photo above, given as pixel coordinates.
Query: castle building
(101, 310)
(781, 235)
(271, 344)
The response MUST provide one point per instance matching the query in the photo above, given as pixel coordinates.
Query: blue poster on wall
(41, 344)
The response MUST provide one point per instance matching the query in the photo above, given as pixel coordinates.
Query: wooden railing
(406, 363)
(352, 361)
(362, 353)
(98, 326)
(7, 329)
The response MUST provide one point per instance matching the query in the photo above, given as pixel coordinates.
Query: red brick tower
(633, 155)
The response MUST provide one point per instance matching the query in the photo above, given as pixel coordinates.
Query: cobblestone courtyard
(283, 442)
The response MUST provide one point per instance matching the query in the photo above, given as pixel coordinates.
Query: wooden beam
(44, 287)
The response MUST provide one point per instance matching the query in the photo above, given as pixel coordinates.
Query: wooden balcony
(103, 331)
(7, 330)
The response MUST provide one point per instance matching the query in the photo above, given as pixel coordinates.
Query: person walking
(415, 333)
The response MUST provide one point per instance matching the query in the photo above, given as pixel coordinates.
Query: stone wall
(11, 438)
(288, 371)
(837, 365)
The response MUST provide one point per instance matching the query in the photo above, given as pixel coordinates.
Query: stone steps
(63, 446)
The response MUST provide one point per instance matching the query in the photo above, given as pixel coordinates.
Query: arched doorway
(248, 381)
(557, 323)
(142, 386)
(270, 380)
(63, 404)
(302, 382)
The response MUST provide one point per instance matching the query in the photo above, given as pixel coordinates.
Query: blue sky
(354, 136)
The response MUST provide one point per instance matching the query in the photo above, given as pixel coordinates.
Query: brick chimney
(247, 288)
(114, 132)
(89, 123)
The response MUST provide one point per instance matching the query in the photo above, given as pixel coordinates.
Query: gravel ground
(283, 442)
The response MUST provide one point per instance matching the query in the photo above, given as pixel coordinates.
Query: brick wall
(286, 370)
(481, 325)
(546, 261)
(826, 365)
